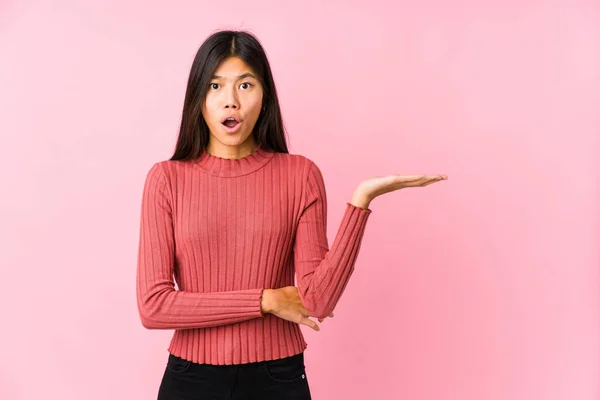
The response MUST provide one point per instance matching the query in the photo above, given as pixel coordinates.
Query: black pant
(284, 378)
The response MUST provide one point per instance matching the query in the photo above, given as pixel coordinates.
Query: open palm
(379, 185)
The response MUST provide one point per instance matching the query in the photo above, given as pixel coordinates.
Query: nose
(231, 100)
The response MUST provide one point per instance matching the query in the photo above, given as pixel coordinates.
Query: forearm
(322, 285)
(175, 309)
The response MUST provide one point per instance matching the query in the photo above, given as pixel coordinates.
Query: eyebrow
(247, 74)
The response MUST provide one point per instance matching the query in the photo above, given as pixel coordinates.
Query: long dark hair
(194, 134)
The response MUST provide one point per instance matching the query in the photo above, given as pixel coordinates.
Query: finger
(435, 178)
(310, 323)
(426, 180)
(413, 178)
(408, 179)
(430, 182)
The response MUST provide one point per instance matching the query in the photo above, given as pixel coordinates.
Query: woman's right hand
(285, 303)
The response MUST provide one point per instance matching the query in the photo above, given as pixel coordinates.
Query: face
(233, 91)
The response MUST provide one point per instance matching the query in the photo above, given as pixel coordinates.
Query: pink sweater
(225, 229)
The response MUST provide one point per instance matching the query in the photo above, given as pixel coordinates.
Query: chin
(232, 140)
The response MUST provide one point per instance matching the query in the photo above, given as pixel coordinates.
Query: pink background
(485, 286)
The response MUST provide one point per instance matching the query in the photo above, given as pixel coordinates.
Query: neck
(217, 149)
(243, 162)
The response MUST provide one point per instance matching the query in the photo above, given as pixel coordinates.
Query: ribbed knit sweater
(223, 230)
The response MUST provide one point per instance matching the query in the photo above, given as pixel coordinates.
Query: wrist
(360, 199)
(265, 301)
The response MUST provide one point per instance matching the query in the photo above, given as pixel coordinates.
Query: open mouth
(230, 123)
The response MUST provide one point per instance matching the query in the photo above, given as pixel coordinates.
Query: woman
(233, 218)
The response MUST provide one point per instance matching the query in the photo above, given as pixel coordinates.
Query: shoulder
(162, 171)
(169, 168)
(156, 170)
(305, 168)
(301, 163)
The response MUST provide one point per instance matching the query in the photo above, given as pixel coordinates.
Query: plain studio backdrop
(485, 286)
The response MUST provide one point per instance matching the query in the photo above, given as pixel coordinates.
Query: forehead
(233, 68)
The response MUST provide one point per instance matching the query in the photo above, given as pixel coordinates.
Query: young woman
(233, 218)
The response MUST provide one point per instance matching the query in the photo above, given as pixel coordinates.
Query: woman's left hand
(369, 189)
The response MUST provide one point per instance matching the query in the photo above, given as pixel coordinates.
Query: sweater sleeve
(323, 273)
(160, 306)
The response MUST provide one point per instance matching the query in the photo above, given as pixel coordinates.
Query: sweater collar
(230, 167)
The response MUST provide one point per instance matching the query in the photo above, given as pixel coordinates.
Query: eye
(244, 83)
